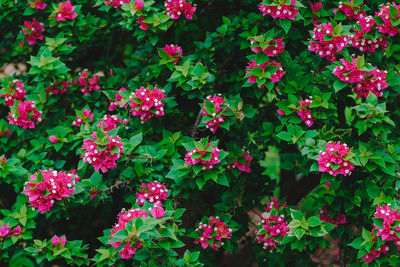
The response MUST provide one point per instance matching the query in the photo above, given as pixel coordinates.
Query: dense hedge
(215, 133)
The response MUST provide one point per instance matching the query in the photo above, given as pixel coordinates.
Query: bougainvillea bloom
(153, 192)
(359, 41)
(375, 253)
(366, 23)
(37, 4)
(243, 162)
(116, 3)
(64, 11)
(335, 159)
(275, 77)
(88, 84)
(101, 155)
(215, 115)
(25, 115)
(5, 230)
(157, 211)
(325, 44)
(17, 230)
(212, 233)
(59, 87)
(132, 245)
(350, 9)
(56, 240)
(279, 10)
(53, 139)
(384, 13)
(387, 231)
(146, 103)
(175, 8)
(86, 116)
(142, 25)
(109, 122)
(374, 82)
(33, 31)
(207, 157)
(273, 227)
(117, 101)
(16, 92)
(305, 114)
(45, 187)
(338, 218)
(272, 48)
(173, 51)
(315, 7)
(349, 71)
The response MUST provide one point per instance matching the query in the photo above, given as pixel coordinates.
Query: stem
(194, 129)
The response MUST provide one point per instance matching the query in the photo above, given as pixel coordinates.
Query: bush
(177, 133)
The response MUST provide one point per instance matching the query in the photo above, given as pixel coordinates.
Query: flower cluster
(57, 240)
(59, 87)
(208, 157)
(109, 122)
(25, 115)
(116, 3)
(33, 31)
(359, 41)
(214, 112)
(142, 25)
(212, 233)
(270, 48)
(117, 102)
(350, 9)
(273, 226)
(305, 114)
(102, 153)
(53, 139)
(325, 44)
(375, 253)
(49, 185)
(243, 162)
(384, 13)
(338, 218)
(387, 231)
(374, 82)
(175, 8)
(6, 231)
(64, 11)
(278, 74)
(86, 116)
(16, 92)
(349, 71)
(153, 192)
(279, 9)
(37, 4)
(130, 247)
(147, 103)
(335, 160)
(88, 84)
(173, 51)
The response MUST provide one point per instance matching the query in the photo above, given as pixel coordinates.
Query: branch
(194, 128)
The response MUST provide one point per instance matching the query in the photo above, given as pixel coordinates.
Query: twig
(114, 186)
(194, 129)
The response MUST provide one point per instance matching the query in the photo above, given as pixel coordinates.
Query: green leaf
(339, 85)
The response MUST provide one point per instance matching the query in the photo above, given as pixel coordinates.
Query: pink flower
(351, 10)
(88, 84)
(175, 8)
(16, 92)
(157, 211)
(59, 87)
(146, 103)
(4, 230)
(139, 4)
(173, 51)
(366, 23)
(279, 10)
(280, 112)
(304, 114)
(144, 26)
(86, 116)
(338, 218)
(45, 187)
(117, 102)
(212, 233)
(214, 118)
(272, 48)
(33, 31)
(315, 7)
(3, 160)
(53, 139)
(17, 230)
(64, 11)
(335, 159)
(197, 156)
(37, 4)
(25, 115)
(116, 3)
(275, 77)
(358, 40)
(153, 192)
(56, 240)
(325, 44)
(374, 81)
(384, 13)
(109, 122)
(102, 156)
(349, 72)
(243, 163)
(130, 245)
